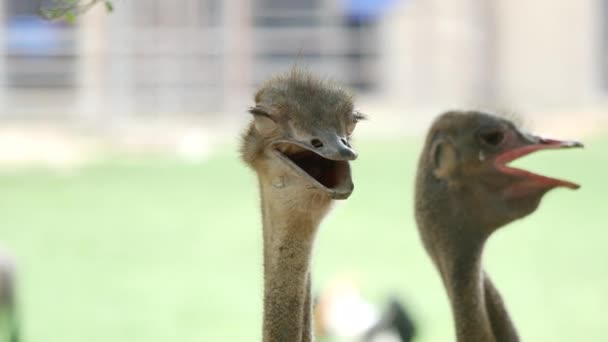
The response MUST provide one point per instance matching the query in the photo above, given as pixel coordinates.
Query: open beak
(325, 165)
(534, 144)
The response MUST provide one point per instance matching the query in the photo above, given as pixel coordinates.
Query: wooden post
(237, 33)
(90, 62)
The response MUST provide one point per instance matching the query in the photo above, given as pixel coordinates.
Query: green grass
(159, 250)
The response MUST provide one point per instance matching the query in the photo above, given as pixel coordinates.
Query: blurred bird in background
(8, 315)
(343, 314)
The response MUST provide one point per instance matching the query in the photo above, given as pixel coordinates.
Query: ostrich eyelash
(358, 116)
(258, 111)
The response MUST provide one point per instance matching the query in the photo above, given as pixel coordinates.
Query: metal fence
(180, 57)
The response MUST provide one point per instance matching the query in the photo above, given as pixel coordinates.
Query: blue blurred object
(31, 35)
(363, 10)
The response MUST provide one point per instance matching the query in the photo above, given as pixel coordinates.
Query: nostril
(345, 142)
(316, 143)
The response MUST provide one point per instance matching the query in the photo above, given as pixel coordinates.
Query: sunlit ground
(155, 249)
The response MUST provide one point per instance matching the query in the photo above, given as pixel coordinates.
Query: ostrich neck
(461, 272)
(479, 312)
(289, 229)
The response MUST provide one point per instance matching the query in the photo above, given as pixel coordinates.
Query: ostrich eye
(264, 124)
(350, 127)
(356, 117)
(492, 137)
(262, 121)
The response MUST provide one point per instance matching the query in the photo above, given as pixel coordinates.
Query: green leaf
(52, 13)
(109, 6)
(70, 17)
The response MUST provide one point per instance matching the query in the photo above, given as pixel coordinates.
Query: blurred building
(154, 58)
(539, 54)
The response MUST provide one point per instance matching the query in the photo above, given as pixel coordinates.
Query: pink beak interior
(543, 144)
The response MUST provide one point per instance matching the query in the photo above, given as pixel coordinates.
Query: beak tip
(561, 143)
(348, 154)
(574, 144)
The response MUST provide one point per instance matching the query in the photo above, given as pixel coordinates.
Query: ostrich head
(300, 135)
(466, 158)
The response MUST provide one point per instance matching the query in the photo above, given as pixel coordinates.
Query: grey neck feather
(289, 234)
(455, 244)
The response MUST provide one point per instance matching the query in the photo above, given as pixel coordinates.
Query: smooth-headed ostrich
(298, 143)
(464, 192)
(8, 315)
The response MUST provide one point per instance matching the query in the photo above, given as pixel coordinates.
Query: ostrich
(464, 192)
(8, 314)
(298, 144)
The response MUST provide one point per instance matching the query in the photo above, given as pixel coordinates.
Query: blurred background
(132, 219)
